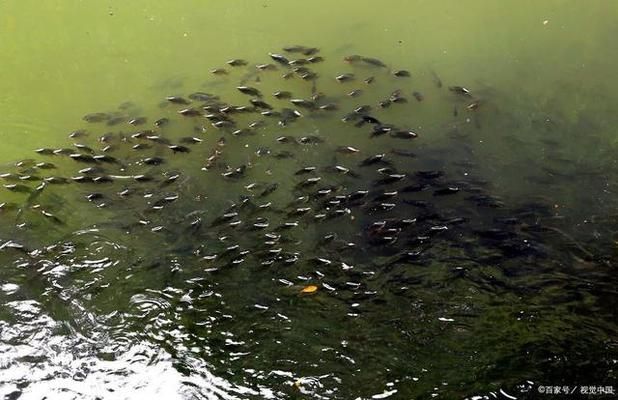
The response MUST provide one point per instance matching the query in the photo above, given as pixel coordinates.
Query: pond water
(457, 241)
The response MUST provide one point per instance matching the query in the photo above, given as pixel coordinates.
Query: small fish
(190, 112)
(266, 67)
(56, 180)
(305, 170)
(279, 58)
(436, 79)
(373, 61)
(96, 117)
(402, 73)
(474, 105)
(161, 122)
(345, 77)
(374, 159)
(177, 100)
(236, 62)
(249, 91)
(446, 191)
(303, 103)
(87, 158)
(137, 121)
(45, 151)
(190, 140)
(403, 153)
(347, 150)
(282, 94)
(179, 148)
(45, 165)
(404, 134)
(369, 80)
(218, 71)
(328, 107)
(153, 161)
(460, 90)
(315, 59)
(78, 133)
(260, 104)
(355, 93)
(418, 96)
(310, 139)
(301, 49)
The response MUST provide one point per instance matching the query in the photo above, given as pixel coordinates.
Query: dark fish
(369, 80)
(301, 49)
(94, 196)
(218, 71)
(282, 94)
(202, 96)
(385, 103)
(391, 178)
(279, 58)
(269, 189)
(261, 104)
(460, 90)
(403, 153)
(190, 140)
(436, 79)
(328, 107)
(309, 182)
(105, 158)
(474, 105)
(446, 191)
(429, 174)
(137, 121)
(347, 149)
(304, 103)
(161, 122)
(380, 129)
(56, 180)
(78, 133)
(373, 61)
(179, 149)
(190, 112)
(236, 62)
(355, 93)
(45, 151)
(45, 165)
(249, 91)
(305, 170)
(153, 161)
(310, 139)
(87, 158)
(375, 159)
(418, 96)
(265, 67)
(403, 134)
(177, 100)
(96, 117)
(315, 59)
(300, 61)
(16, 187)
(402, 73)
(142, 178)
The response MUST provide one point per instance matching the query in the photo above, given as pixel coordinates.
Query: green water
(116, 310)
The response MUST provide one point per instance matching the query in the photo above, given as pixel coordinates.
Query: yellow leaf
(309, 289)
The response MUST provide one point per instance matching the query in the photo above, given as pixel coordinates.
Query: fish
(261, 104)
(218, 71)
(345, 77)
(460, 90)
(282, 94)
(249, 91)
(347, 149)
(403, 134)
(190, 112)
(177, 100)
(96, 117)
(236, 62)
(279, 58)
(418, 96)
(307, 51)
(373, 61)
(161, 122)
(402, 73)
(372, 160)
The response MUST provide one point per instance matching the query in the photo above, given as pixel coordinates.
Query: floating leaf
(309, 289)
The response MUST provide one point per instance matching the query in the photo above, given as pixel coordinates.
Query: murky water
(191, 285)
